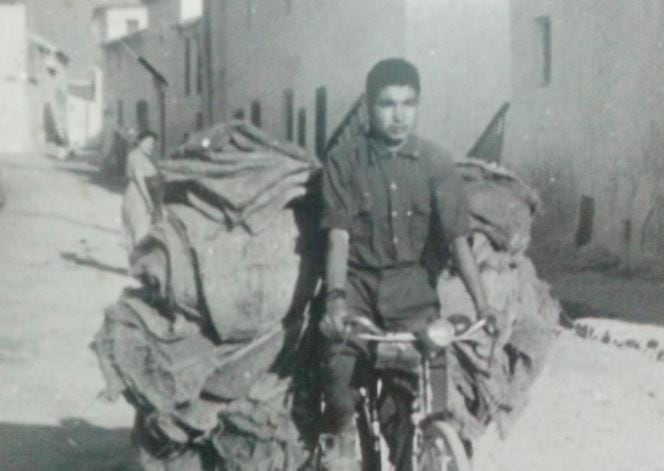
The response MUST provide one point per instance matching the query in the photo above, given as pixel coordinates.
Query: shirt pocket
(363, 219)
(419, 217)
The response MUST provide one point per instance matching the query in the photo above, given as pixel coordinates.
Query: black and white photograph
(332, 235)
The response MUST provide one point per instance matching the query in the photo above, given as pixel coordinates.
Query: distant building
(294, 68)
(586, 125)
(112, 20)
(170, 40)
(85, 103)
(33, 85)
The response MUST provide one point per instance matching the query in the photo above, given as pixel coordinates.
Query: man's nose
(399, 114)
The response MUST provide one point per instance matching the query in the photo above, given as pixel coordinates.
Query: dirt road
(61, 262)
(597, 407)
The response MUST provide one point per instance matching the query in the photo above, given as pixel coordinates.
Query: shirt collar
(377, 148)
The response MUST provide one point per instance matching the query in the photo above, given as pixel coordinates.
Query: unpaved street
(597, 407)
(61, 262)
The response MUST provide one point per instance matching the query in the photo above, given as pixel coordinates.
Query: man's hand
(332, 325)
(494, 320)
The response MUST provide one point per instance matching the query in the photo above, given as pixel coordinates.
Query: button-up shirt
(393, 202)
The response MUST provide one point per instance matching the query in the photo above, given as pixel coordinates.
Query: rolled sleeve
(338, 205)
(451, 200)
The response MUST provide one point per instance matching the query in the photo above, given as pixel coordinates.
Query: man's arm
(465, 262)
(332, 324)
(337, 259)
(338, 207)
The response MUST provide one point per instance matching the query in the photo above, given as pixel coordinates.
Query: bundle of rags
(225, 280)
(490, 378)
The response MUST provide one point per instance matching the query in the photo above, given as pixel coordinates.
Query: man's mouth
(398, 129)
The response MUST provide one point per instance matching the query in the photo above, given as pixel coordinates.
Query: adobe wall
(597, 129)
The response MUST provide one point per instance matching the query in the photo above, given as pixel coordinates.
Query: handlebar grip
(362, 322)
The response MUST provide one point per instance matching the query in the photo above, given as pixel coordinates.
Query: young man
(386, 196)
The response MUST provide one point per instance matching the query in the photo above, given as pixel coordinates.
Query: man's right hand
(332, 325)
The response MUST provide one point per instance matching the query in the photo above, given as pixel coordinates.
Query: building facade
(85, 105)
(586, 126)
(295, 67)
(33, 85)
(172, 44)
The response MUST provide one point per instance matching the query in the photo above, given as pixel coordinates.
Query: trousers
(400, 299)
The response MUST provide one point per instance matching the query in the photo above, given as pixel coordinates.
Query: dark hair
(391, 72)
(145, 134)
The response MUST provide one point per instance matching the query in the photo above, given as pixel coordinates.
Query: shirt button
(409, 213)
(395, 240)
(393, 186)
(394, 214)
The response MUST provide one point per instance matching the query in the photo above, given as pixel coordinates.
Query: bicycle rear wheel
(441, 449)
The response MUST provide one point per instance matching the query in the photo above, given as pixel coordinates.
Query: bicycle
(436, 444)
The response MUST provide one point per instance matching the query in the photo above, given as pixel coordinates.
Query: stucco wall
(117, 18)
(461, 47)
(163, 45)
(14, 135)
(463, 50)
(317, 44)
(597, 129)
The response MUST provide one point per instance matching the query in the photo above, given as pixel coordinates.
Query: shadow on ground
(91, 262)
(74, 445)
(95, 176)
(609, 296)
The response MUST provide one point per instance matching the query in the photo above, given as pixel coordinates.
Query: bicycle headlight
(440, 333)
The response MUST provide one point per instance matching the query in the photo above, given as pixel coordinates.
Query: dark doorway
(321, 120)
(302, 127)
(289, 114)
(142, 115)
(584, 232)
(256, 113)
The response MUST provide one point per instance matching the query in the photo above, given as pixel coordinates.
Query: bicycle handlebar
(377, 335)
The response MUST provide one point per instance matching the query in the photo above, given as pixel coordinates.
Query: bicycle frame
(423, 405)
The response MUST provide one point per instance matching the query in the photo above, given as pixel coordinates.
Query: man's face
(393, 113)
(147, 145)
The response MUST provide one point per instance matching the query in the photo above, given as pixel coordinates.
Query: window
(199, 69)
(120, 113)
(289, 114)
(543, 26)
(302, 127)
(187, 62)
(142, 115)
(200, 122)
(256, 113)
(321, 120)
(132, 26)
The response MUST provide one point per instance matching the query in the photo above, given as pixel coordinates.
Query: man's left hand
(494, 320)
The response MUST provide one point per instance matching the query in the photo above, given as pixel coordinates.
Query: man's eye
(411, 102)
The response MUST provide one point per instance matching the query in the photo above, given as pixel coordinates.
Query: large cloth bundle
(494, 375)
(226, 277)
(218, 349)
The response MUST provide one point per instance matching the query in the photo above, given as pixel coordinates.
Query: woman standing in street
(141, 206)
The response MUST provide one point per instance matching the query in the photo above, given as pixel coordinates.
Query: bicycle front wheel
(441, 449)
